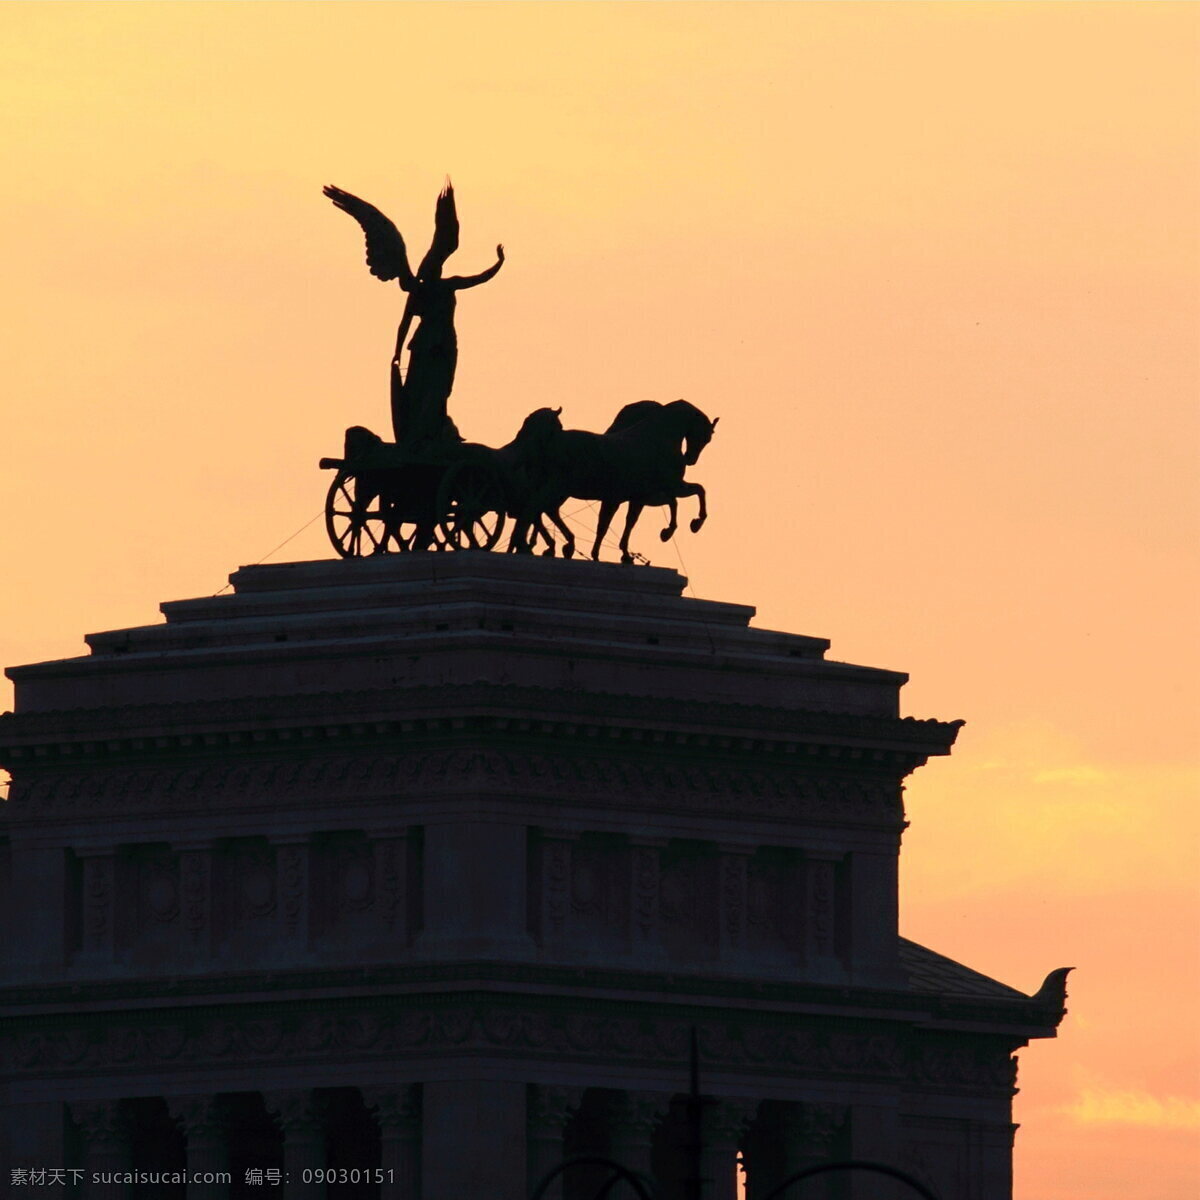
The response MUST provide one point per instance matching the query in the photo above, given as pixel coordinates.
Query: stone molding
(102, 734)
(627, 783)
(343, 1031)
(1015, 1019)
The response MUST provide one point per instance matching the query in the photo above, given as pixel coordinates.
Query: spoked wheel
(471, 501)
(357, 527)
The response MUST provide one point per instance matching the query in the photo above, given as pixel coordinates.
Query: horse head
(540, 425)
(694, 427)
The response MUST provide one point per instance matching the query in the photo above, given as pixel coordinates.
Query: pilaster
(390, 851)
(98, 901)
(292, 870)
(196, 898)
(475, 889)
(645, 866)
(871, 890)
(874, 1135)
(39, 892)
(820, 876)
(733, 901)
(554, 891)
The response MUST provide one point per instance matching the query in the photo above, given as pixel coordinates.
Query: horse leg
(694, 489)
(608, 510)
(569, 537)
(631, 519)
(540, 530)
(520, 541)
(669, 532)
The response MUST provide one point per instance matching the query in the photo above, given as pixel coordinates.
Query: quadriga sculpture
(431, 490)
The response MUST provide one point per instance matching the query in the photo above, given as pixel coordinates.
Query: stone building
(425, 866)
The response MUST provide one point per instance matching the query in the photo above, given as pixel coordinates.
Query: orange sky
(934, 267)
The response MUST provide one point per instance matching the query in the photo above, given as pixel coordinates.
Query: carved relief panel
(775, 905)
(247, 896)
(344, 889)
(689, 895)
(148, 904)
(360, 887)
(598, 897)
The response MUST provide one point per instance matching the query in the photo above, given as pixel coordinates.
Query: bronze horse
(639, 460)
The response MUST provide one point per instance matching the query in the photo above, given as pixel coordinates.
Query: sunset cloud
(1114, 1106)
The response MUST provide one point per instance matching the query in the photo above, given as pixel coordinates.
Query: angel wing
(445, 231)
(386, 255)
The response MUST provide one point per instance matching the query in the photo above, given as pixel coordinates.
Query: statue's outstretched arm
(458, 282)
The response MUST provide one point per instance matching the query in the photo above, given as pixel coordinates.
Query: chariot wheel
(357, 526)
(471, 501)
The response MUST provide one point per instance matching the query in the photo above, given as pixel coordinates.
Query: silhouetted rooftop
(933, 973)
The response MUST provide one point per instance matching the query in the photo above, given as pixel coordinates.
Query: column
(203, 1125)
(633, 1120)
(473, 1140)
(298, 1114)
(549, 1110)
(725, 1121)
(195, 899)
(398, 1112)
(645, 865)
(105, 1136)
(733, 901)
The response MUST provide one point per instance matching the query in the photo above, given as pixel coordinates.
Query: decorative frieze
(344, 1031)
(790, 788)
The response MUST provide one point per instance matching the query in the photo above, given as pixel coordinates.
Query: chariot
(390, 498)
